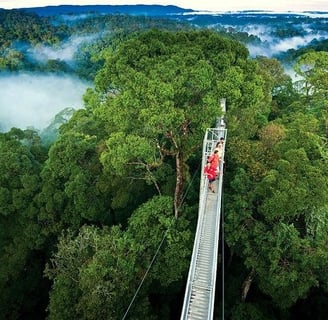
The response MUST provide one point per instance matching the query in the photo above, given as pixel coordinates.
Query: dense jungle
(87, 201)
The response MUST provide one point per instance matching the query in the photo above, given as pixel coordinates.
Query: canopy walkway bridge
(200, 288)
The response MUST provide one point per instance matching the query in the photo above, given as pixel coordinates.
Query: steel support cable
(222, 244)
(145, 275)
(159, 247)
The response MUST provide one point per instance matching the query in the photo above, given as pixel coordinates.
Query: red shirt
(210, 172)
(214, 160)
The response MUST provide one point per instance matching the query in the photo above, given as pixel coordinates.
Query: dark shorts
(211, 180)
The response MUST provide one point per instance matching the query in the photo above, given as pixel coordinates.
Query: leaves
(99, 270)
(275, 203)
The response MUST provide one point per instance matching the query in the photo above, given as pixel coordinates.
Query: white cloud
(63, 52)
(272, 46)
(33, 100)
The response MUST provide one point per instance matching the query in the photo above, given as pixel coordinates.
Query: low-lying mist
(32, 100)
(272, 46)
(65, 51)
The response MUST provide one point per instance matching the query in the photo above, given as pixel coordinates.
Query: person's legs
(210, 185)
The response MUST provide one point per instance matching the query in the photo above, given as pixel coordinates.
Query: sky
(210, 5)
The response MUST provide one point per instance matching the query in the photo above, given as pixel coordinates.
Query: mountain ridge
(152, 10)
(140, 9)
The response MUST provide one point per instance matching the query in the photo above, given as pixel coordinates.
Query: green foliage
(276, 203)
(19, 30)
(246, 98)
(312, 68)
(19, 27)
(20, 240)
(92, 272)
(250, 311)
(99, 270)
(156, 214)
(116, 173)
(70, 194)
(277, 84)
(159, 91)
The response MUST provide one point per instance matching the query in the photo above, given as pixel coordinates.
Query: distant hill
(139, 10)
(265, 33)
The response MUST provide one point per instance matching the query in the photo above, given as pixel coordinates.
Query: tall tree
(158, 93)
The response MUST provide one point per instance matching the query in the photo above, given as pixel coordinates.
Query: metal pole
(222, 232)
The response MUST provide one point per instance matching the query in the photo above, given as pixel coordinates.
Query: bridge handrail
(211, 137)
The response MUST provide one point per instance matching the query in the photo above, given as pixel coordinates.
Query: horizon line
(163, 5)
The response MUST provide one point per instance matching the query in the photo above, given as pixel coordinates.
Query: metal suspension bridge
(200, 288)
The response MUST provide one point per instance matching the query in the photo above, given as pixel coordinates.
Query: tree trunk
(178, 184)
(247, 284)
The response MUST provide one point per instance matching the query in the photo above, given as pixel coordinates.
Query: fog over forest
(271, 46)
(65, 51)
(34, 99)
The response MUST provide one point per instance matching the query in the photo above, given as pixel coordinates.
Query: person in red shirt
(210, 172)
(213, 160)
